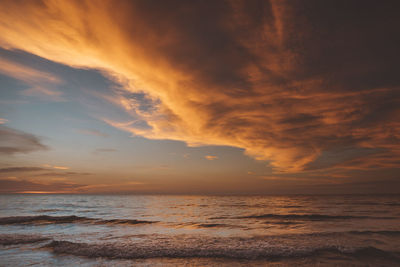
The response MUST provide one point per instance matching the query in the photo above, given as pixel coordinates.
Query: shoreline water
(87, 230)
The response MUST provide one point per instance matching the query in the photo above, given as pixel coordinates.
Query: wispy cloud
(22, 169)
(210, 157)
(21, 185)
(57, 167)
(13, 141)
(104, 150)
(25, 172)
(60, 167)
(2, 120)
(113, 187)
(55, 174)
(93, 132)
(42, 83)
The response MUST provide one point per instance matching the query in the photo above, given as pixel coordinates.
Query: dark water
(105, 230)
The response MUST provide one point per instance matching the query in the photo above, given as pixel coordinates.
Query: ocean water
(157, 230)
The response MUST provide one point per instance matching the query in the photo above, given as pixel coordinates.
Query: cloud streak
(60, 167)
(287, 81)
(18, 186)
(210, 157)
(13, 141)
(92, 132)
(22, 169)
(42, 83)
(104, 150)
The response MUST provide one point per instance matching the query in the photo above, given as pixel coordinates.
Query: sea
(169, 230)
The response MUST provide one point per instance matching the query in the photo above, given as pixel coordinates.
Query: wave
(47, 210)
(385, 232)
(392, 204)
(133, 251)
(259, 247)
(42, 219)
(211, 225)
(205, 225)
(309, 217)
(284, 222)
(123, 221)
(46, 219)
(15, 239)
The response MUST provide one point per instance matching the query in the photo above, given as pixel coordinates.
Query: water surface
(126, 230)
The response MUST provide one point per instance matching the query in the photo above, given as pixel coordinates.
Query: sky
(200, 97)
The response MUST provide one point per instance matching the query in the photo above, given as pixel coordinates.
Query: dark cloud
(343, 156)
(39, 172)
(18, 186)
(13, 141)
(301, 84)
(21, 169)
(56, 174)
(313, 77)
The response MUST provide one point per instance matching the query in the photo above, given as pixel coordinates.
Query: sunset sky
(202, 97)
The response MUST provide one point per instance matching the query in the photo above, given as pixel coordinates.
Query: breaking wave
(258, 247)
(133, 251)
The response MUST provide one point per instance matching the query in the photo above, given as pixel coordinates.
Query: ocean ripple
(46, 219)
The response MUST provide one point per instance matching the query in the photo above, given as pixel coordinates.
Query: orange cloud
(60, 167)
(55, 167)
(286, 82)
(209, 157)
